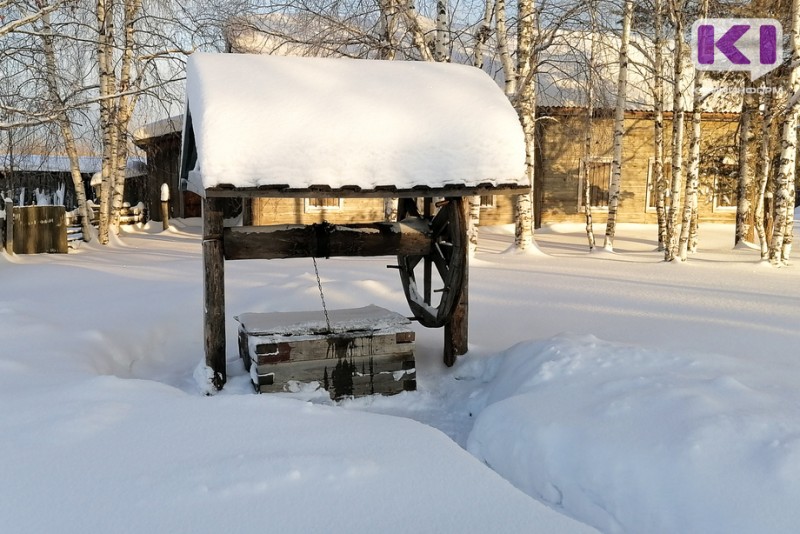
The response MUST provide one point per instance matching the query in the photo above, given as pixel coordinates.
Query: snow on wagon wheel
(433, 293)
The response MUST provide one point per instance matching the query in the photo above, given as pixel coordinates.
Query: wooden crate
(368, 350)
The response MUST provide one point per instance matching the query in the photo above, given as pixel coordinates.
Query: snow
(367, 318)
(601, 391)
(266, 120)
(88, 164)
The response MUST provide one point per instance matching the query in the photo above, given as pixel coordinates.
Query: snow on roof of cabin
(267, 120)
(160, 128)
(562, 74)
(46, 163)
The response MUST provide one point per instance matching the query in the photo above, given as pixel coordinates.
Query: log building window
(651, 183)
(487, 201)
(322, 204)
(725, 187)
(598, 172)
(719, 174)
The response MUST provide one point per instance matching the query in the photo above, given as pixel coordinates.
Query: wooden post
(214, 290)
(427, 262)
(164, 206)
(9, 226)
(456, 331)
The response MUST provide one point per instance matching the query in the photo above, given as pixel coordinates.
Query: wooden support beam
(409, 237)
(456, 331)
(284, 191)
(9, 244)
(214, 290)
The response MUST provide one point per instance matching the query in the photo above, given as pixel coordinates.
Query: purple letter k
(726, 44)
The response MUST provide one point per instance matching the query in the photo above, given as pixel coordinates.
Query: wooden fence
(35, 229)
(128, 215)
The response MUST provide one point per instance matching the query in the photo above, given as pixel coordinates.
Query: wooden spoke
(447, 231)
(442, 264)
(440, 221)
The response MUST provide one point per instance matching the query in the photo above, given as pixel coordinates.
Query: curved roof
(262, 121)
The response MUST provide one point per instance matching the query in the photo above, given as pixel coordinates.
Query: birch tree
(526, 109)
(619, 127)
(658, 179)
(482, 35)
(689, 219)
(764, 157)
(781, 244)
(589, 123)
(65, 124)
(520, 88)
(676, 8)
(744, 211)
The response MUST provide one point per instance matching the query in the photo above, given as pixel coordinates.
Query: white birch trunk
(693, 174)
(671, 248)
(745, 179)
(587, 140)
(509, 72)
(105, 27)
(763, 175)
(481, 36)
(781, 244)
(619, 128)
(483, 33)
(388, 21)
(417, 36)
(688, 239)
(658, 179)
(442, 36)
(125, 105)
(388, 51)
(525, 102)
(390, 209)
(473, 222)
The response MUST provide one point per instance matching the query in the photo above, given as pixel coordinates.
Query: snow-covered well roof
(260, 121)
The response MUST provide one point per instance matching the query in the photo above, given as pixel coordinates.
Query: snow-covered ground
(616, 391)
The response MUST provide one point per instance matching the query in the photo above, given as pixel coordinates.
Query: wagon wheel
(448, 255)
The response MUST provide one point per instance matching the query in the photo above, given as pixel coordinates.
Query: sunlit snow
(607, 391)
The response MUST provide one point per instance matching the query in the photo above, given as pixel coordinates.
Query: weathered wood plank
(284, 348)
(356, 375)
(214, 290)
(326, 240)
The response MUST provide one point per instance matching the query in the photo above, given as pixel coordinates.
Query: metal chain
(322, 295)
